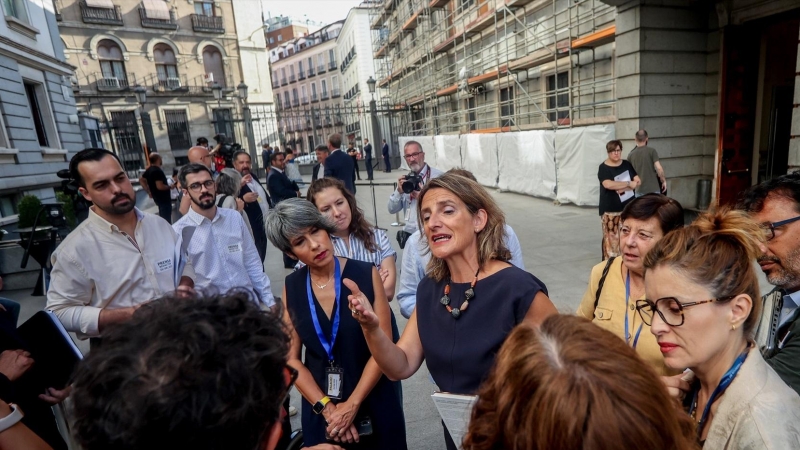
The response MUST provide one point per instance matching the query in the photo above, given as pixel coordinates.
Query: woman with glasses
(347, 398)
(702, 306)
(618, 181)
(616, 284)
(229, 183)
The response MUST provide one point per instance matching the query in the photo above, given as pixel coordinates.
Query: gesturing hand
(14, 363)
(250, 197)
(360, 307)
(54, 396)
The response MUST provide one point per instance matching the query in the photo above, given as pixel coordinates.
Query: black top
(254, 213)
(280, 186)
(351, 353)
(151, 175)
(340, 166)
(609, 199)
(368, 151)
(459, 353)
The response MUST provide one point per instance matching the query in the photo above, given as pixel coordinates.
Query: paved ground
(560, 245)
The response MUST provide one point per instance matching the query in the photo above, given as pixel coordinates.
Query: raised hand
(360, 307)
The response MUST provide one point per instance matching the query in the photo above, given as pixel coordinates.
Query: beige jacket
(758, 411)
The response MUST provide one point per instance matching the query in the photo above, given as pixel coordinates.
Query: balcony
(164, 24)
(332, 65)
(301, 75)
(295, 102)
(335, 93)
(324, 95)
(207, 24)
(286, 104)
(283, 81)
(338, 121)
(311, 72)
(321, 68)
(304, 100)
(169, 84)
(275, 84)
(314, 98)
(292, 78)
(328, 123)
(307, 125)
(102, 16)
(115, 84)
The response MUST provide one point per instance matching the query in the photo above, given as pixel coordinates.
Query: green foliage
(28, 207)
(69, 208)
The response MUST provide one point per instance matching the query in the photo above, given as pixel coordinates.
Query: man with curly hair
(201, 373)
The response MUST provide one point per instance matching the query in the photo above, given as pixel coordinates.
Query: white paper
(455, 410)
(624, 176)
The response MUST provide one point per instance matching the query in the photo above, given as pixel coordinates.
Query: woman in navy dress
(470, 299)
(340, 382)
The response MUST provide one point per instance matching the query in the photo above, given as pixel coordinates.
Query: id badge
(334, 376)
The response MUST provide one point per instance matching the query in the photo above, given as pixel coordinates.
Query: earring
(733, 327)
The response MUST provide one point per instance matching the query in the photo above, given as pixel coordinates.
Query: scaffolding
(489, 66)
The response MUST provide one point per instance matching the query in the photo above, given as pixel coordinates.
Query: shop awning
(156, 9)
(100, 4)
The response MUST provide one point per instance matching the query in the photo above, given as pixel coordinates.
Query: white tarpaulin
(579, 152)
(526, 163)
(449, 155)
(480, 157)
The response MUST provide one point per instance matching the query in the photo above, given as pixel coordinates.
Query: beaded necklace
(468, 295)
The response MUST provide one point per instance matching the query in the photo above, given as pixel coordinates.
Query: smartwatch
(320, 405)
(11, 419)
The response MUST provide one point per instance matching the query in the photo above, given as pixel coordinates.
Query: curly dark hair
(202, 373)
(358, 224)
(786, 186)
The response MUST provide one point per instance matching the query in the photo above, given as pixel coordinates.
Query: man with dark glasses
(776, 205)
(200, 373)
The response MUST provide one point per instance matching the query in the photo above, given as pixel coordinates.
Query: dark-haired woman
(618, 181)
(611, 304)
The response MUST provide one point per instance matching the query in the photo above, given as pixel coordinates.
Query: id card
(334, 376)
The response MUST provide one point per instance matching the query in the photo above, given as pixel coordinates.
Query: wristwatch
(11, 419)
(320, 405)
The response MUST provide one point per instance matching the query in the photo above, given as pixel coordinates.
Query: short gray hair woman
(229, 182)
(290, 218)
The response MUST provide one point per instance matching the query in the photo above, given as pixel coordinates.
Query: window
(271, 40)
(311, 142)
(286, 99)
(204, 9)
(280, 38)
(223, 122)
(304, 94)
(212, 64)
(5, 142)
(178, 129)
(321, 60)
(557, 100)
(300, 67)
(324, 89)
(507, 107)
(39, 106)
(112, 66)
(294, 95)
(314, 90)
(463, 5)
(291, 71)
(8, 205)
(166, 66)
(332, 57)
(16, 9)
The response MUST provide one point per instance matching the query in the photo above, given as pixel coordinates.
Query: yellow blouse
(610, 314)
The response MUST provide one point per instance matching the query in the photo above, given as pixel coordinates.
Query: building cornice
(33, 57)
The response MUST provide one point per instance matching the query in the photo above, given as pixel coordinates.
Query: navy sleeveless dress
(460, 353)
(351, 353)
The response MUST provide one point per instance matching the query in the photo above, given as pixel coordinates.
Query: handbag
(402, 237)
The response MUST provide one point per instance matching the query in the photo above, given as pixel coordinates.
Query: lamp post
(248, 124)
(149, 138)
(373, 112)
(216, 89)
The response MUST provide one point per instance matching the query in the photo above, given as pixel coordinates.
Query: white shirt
(98, 266)
(400, 200)
(256, 188)
(223, 255)
(790, 303)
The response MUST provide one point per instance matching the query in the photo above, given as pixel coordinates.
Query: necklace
(324, 285)
(468, 295)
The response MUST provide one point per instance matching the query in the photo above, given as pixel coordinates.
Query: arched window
(166, 66)
(111, 65)
(212, 63)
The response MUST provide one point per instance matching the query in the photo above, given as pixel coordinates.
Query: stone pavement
(560, 245)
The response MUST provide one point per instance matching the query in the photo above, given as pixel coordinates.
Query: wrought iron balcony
(207, 24)
(332, 65)
(301, 75)
(170, 84)
(102, 16)
(291, 78)
(335, 92)
(115, 83)
(314, 98)
(328, 122)
(275, 83)
(304, 100)
(295, 102)
(165, 24)
(324, 95)
(286, 104)
(321, 68)
(284, 82)
(311, 72)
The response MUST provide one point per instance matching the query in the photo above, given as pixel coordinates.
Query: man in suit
(338, 165)
(386, 161)
(319, 169)
(280, 188)
(368, 158)
(256, 200)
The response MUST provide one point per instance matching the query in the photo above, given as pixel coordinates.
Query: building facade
(177, 51)
(39, 130)
(282, 29)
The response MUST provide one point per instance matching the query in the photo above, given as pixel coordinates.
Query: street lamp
(242, 88)
(248, 123)
(149, 138)
(373, 111)
(216, 89)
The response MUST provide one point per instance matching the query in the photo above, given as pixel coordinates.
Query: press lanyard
(726, 381)
(327, 345)
(627, 301)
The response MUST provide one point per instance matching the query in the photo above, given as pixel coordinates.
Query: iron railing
(165, 24)
(115, 83)
(208, 24)
(102, 16)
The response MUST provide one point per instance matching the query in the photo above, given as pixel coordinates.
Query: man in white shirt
(256, 200)
(415, 157)
(117, 259)
(220, 250)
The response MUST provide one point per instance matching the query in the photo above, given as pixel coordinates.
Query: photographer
(408, 187)
(223, 152)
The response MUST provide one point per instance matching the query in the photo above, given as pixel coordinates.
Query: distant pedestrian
(319, 169)
(368, 158)
(155, 183)
(645, 161)
(618, 180)
(352, 151)
(256, 200)
(281, 188)
(385, 152)
(266, 151)
(338, 165)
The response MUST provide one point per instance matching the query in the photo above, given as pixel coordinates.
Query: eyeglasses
(413, 155)
(195, 187)
(619, 150)
(669, 309)
(769, 227)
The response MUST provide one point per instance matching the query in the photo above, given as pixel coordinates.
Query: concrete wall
(667, 68)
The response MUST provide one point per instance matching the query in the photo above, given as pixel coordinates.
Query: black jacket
(368, 151)
(280, 186)
(340, 165)
(254, 213)
(315, 174)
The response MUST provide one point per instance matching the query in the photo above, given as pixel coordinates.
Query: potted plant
(28, 207)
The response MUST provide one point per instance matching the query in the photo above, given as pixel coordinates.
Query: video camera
(412, 182)
(227, 147)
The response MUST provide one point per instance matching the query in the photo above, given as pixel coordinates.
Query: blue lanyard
(627, 301)
(726, 381)
(327, 345)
